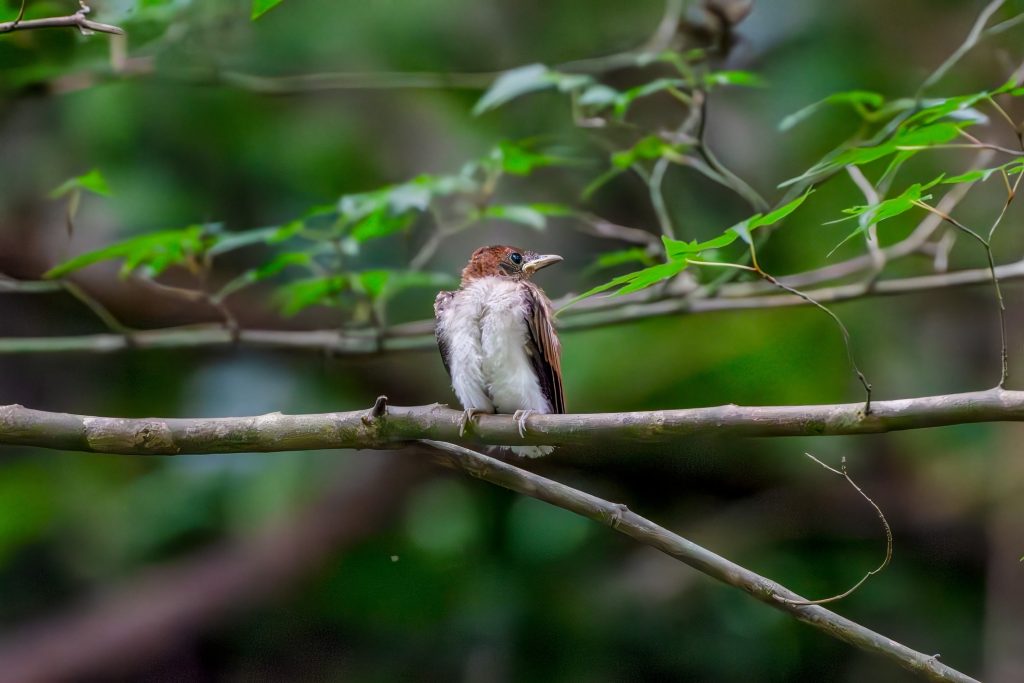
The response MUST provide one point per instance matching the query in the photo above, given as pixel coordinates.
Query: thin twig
(867, 222)
(810, 300)
(885, 525)
(101, 311)
(658, 197)
(1004, 354)
(418, 335)
(972, 39)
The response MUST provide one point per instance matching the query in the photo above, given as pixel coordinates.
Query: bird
(498, 342)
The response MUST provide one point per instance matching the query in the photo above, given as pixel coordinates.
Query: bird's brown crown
(504, 261)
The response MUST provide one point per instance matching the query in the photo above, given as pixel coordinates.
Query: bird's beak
(538, 262)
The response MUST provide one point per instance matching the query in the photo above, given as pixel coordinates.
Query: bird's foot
(468, 415)
(520, 417)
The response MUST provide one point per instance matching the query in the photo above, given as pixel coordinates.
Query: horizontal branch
(596, 312)
(627, 522)
(390, 426)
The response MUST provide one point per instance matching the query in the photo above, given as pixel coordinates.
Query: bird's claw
(520, 417)
(468, 415)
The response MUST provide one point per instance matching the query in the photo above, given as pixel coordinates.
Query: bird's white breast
(485, 329)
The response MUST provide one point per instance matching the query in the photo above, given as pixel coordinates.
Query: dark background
(443, 577)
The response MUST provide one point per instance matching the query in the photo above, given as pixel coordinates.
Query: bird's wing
(544, 348)
(442, 300)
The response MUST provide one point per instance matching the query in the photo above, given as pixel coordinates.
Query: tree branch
(419, 335)
(397, 425)
(77, 20)
(623, 520)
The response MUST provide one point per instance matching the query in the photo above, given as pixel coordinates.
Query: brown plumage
(497, 338)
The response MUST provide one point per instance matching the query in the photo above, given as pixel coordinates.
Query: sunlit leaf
(93, 181)
(520, 159)
(744, 78)
(884, 210)
(261, 7)
(913, 139)
(153, 253)
(679, 252)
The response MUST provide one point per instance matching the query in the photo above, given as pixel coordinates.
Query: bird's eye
(515, 257)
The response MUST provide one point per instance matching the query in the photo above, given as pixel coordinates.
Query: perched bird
(497, 340)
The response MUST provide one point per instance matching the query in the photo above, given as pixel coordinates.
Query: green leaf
(612, 259)
(301, 294)
(959, 107)
(744, 78)
(625, 99)
(518, 159)
(884, 210)
(154, 252)
(93, 181)
(650, 147)
(267, 270)
(526, 79)
(261, 7)
(981, 174)
(909, 140)
(858, 99)
(679, 252)
(384, 284)
(381, 223)
(633, 282)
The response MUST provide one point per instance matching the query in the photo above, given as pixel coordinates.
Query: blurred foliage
(222, 161)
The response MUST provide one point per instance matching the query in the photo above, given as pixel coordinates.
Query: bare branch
(77, 20)
(972, 39)
(419, 335)
(20, 426)
(627, 522)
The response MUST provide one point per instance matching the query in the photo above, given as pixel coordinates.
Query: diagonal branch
(397, 425)
(627, 522)
(77, 20)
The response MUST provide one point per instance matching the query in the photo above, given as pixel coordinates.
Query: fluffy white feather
(484, 328)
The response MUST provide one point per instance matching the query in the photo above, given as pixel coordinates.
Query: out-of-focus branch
(625, 521)
(385, 427)
(77, 20)
(167, 607)
(419, 335)
(975, 34)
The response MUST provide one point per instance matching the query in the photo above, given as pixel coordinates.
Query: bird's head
(504, 261)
